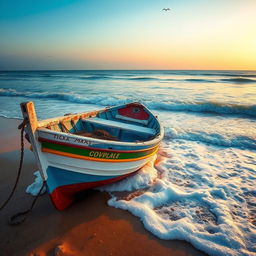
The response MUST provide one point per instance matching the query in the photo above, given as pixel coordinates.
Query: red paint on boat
(135, 111)
(63, 196)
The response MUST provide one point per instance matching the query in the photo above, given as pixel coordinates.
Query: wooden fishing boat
(86, 150)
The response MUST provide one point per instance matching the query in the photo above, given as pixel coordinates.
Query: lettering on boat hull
(107, 155)
(71, 140)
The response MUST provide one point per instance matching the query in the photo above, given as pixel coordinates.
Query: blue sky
(65, 34)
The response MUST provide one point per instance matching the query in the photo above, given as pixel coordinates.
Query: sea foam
(200, 197)
(35, 187)
(199, 193)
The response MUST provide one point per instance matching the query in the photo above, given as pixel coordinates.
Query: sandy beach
(88, 227)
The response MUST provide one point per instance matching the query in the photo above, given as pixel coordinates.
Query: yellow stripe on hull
(51, 151)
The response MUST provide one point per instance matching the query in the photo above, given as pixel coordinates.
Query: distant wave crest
(207, 106)
(69, 97)
(95, 77)
(198, 80)
(143, 78)
(239, 80)
(165, 77)
(228, 75)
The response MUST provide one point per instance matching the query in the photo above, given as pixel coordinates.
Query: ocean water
(202, 186)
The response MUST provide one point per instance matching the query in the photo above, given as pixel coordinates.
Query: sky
(118, 34)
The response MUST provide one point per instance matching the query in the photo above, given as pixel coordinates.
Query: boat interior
(109, 125)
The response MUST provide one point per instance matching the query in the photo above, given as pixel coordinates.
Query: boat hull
(63, 185)
(76, 152)
(74, 168)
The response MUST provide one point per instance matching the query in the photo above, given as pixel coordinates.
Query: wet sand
(88, 227)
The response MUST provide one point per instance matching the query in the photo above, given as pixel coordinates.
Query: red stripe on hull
(63, 196)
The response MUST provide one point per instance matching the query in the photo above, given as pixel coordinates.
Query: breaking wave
(204, 107)
(215, 139)
(207, 107)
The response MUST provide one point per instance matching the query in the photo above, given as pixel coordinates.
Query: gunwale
(155, 140)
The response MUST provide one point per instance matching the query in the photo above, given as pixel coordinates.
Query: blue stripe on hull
(58, 177)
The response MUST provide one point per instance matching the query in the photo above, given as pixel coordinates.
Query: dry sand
(88, 227)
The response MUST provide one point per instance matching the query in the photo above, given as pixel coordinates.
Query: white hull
(93, 167)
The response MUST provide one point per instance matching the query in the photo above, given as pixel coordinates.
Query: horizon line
(39, 70)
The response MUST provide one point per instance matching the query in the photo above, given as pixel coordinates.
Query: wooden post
(29, 113)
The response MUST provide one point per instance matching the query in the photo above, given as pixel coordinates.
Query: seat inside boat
(100, 128)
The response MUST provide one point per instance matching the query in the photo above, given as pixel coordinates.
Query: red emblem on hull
(135, 111)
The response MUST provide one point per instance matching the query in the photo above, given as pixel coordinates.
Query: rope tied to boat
(22, 128)
(12, 220)
(20, 217)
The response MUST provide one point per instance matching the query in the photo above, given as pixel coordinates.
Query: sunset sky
(117, 34)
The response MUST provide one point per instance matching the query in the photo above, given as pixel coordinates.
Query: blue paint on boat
(58, 177)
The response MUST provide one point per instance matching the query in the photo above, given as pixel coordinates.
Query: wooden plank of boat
(115, 124)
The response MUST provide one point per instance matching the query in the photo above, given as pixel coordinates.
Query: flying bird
(166, 9)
